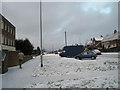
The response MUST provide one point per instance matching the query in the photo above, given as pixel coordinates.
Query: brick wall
(13, 58)
(10, 60)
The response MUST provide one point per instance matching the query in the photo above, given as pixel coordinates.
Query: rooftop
(111, 37)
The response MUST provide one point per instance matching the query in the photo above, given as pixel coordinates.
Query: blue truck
(72, 51)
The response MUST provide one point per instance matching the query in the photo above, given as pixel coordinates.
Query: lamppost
(65, 39)
(41, 33)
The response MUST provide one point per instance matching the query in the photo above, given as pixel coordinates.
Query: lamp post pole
(41, 33)
(65, 39)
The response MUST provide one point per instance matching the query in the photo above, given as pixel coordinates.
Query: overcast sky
(81, 21)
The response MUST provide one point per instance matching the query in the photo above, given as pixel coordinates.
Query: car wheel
(93, 58)
(78, 58)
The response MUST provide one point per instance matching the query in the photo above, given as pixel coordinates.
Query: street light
(65, 39)
(41, 32)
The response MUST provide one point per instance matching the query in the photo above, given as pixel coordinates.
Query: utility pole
(41, 33)
(65, 39)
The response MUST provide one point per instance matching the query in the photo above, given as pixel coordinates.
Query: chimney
(115, 31)
(101, 36)
(91, 39)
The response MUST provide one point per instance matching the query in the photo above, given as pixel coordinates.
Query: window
(11, 30)
(5, 40)
(8, 28)
(2, 24)
(13, 43)
(5, 27)
(85, 53)
(10, 43)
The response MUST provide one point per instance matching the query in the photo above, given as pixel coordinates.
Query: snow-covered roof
(98, 38)
(89, 42)
(111, 37)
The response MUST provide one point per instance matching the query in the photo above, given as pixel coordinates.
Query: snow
(65, 73)
(89, 42)
(98, 38)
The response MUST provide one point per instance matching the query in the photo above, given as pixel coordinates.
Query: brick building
(112, 41)
(95, 43)
(7, 44)
(7, 35)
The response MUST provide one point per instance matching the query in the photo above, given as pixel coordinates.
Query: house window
(2, 39)
(5, 40)
(8, 29)
(8, 42)
(5, 27)
(11, 42)
(2, 24)
(11, 30)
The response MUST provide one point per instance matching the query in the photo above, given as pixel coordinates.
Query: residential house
(95, 43)
(7, 44)
(112, 41)
(7, 35)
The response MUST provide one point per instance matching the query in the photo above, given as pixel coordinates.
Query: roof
(89, 42)
(6, 20)
(98, 38)
(111, 37)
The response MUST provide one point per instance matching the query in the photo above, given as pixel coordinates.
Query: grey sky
(80, 20)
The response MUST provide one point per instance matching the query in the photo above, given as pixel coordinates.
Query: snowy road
(65, 72)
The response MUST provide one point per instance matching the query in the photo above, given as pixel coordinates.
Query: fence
(11, 60)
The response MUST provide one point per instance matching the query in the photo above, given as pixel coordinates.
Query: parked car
(86, 54)
(98, 52)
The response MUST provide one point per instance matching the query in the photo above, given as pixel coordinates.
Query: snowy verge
(56, 66)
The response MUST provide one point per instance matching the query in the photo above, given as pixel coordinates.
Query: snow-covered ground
(65, 73)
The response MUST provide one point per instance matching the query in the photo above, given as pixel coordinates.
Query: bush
(24, 46)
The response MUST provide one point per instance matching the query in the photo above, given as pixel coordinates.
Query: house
(95, 43)
(112, 41)
(7, 35)
(7, 44)
(89, 44)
